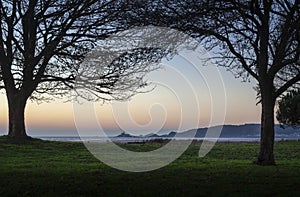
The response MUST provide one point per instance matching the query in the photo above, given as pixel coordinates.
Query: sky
(187, 95)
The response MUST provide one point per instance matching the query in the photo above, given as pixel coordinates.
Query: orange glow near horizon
(162, 108)
(57, 114)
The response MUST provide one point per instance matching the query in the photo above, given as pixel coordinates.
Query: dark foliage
(289, 109)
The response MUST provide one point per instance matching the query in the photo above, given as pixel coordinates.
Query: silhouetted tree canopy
(49, 47)
(43, 45)
(254, 39)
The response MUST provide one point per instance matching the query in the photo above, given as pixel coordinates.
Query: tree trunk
(266, 155)
(16, 106)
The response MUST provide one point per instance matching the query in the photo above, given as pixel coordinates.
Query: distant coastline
(229, 133)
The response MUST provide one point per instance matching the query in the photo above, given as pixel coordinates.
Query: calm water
(141, 139)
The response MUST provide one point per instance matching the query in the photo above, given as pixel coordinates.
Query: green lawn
(42, 168)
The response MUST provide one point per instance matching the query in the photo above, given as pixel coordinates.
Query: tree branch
(289, 28)
(288, 84)
(233, 51)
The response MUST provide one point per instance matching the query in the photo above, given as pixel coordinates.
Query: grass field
(43, 168)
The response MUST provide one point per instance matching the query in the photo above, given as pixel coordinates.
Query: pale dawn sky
(185, 97)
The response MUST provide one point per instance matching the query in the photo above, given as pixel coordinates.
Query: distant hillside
(228, 131)
(123, 134)
(239, 131)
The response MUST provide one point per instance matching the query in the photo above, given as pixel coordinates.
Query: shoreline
(158, 140)
(139, 140)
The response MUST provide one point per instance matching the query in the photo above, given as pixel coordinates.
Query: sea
(144, 139)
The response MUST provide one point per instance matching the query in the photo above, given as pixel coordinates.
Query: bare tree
(42, 48)
(257, 39)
